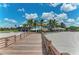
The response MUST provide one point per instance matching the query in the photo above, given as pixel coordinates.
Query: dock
(30, 45)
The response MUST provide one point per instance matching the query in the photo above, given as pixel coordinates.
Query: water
(65, 41)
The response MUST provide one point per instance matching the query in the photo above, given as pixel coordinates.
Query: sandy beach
(9, 34)
(65, 41)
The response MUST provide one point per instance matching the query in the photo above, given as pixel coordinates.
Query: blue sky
(18, 13)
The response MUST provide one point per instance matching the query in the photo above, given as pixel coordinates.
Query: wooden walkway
(31, 45)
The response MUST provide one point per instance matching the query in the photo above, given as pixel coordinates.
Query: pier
(27, 43)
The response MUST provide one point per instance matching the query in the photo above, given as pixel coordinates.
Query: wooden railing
(7, 41)
(48, 48)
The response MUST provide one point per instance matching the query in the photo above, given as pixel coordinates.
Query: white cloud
(4, 5)
(77, 23)
(45, 21)
(62, 16)
(21, 9)
(77, 20)
(68, 7)
(10, 20)
(20, 25)
(24, 22)
(31, 16)
(54, 4)
(51, 15)
(48, 15)
(71, 20)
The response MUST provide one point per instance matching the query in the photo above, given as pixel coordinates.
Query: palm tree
(63, 25)
(52, 24)
(30, 23)
(35, 23)
(55, 23)
(24, 25)
(41, 23)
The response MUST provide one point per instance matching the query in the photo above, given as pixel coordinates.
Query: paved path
(31, 45)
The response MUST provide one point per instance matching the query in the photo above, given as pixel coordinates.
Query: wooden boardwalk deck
(31, 45)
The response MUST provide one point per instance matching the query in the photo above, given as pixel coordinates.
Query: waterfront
(65, 41)
(62, 41)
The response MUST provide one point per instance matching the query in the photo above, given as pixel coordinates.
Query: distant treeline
(2, 29)
(14, 29)
(74, 28)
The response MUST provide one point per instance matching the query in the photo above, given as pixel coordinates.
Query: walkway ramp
(31, 45)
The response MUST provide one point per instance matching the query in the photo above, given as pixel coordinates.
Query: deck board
(31, 45)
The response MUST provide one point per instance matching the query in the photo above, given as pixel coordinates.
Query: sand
(9, 34)
(65, 41)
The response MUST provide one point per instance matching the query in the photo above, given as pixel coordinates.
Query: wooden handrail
(52, 49)
(6, 37)
(48, 48)
(6, 41)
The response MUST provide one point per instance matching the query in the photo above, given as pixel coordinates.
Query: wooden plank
(32, 45)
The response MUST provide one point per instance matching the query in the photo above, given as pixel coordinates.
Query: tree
(41, 22)
(52, 24)
(30, 23)
(55, 23)
(63, 25)
(35, 23)
(24, 25)
(72, 28)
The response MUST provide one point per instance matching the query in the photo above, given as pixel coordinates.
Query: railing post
(25, 34)
(6, 42)
(48, 47)
(14, 38)
(51, 49)
(20, 36)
